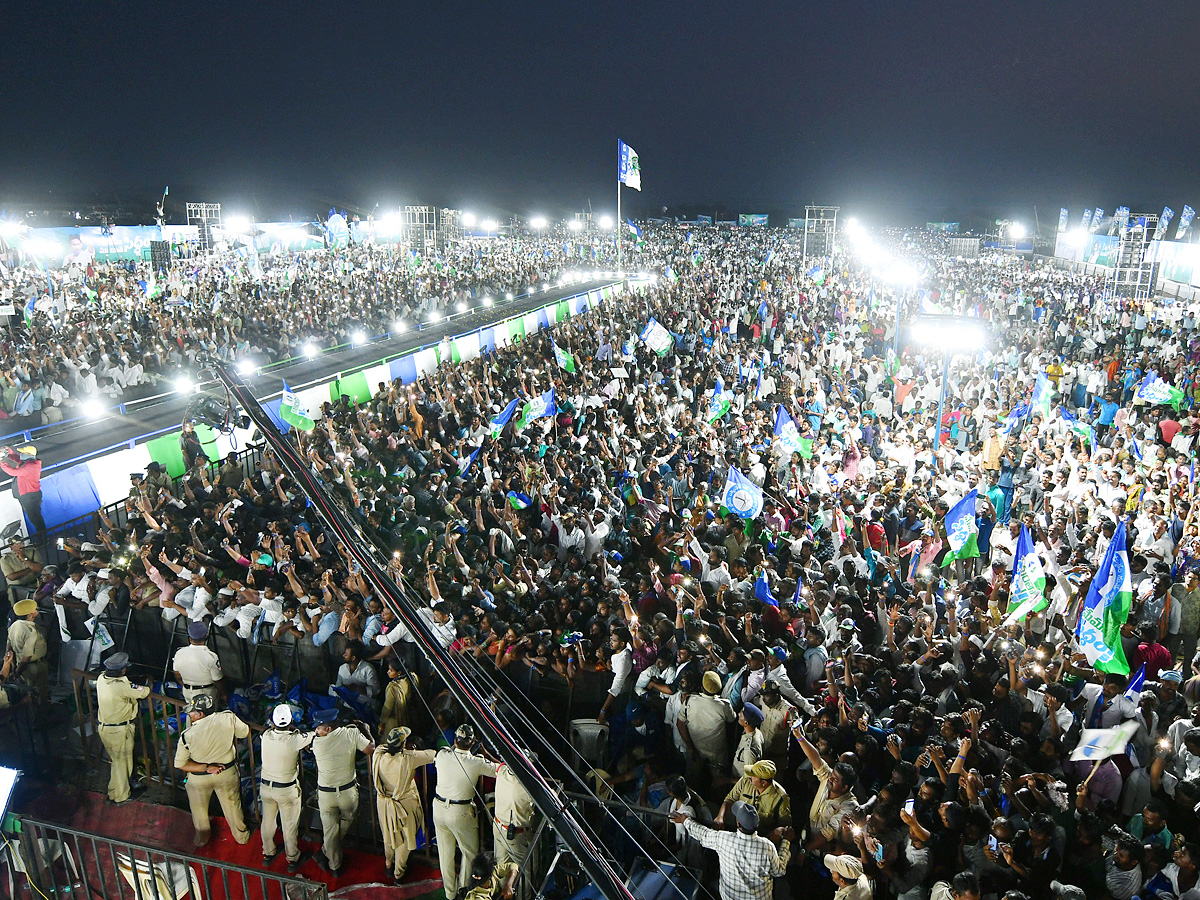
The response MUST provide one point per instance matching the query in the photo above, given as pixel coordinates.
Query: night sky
(898, 112)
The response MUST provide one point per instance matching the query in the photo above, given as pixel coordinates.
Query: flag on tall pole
(1185, 222)
(1027, 592)
(1164, 220)
(1062, 218)
(497, 424)
(1096, 217)
(962, 532)
(1106, 608)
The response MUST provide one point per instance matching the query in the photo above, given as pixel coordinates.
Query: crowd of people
(733, 551)
(112, 333)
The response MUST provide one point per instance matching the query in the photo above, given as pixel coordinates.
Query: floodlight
(537, 223)
(489, 225)
(392, 222)
(1016, 231)
(507, 296)
(8, 781)
(530, 289)
(1077, 238)
(236, 224)
(184, 384)
(358, 337)
(901, 273)
(246, 367)
(9, 227)
(606, 222)
(575, 225)
(468, 220)
(399, 326)
(93, 409)
(41, 247)
(461, 307)
(310, 350)
(487, 301)
(434, 318)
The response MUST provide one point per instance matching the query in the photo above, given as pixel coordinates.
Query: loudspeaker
(160, 255)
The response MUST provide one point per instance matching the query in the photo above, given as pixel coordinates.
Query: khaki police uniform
(396, 697)
(454, 812)
(199, 669)
(210, 741)
(512, 822)
(399, 802)
(116, 711)
(337, 785)
(773, 804)
(492, 887)
(279, 789)
(27, 642)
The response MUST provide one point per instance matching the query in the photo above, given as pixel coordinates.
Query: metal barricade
(64, 862)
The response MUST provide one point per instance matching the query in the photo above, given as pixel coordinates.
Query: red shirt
(28, 475)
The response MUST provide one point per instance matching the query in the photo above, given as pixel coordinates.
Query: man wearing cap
(512, 822)
(20, 566)
(454, 811)
(702, 721)
(334, 749)
(196, 666)
(749, 864)
(847, 874)
(116, 713)
(279, 789)
(394, 768)
(758, 787)
(207, 752)
(24, 466)
(27, 644)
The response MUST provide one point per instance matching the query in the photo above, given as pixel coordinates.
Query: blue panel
(487, 340)
(68, 494)
(543, 319)
(404, 368)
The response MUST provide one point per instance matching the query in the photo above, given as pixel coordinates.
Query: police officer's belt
(117, 724)
(197, 687)
(454, 802)
(283, 784)
(344, 787)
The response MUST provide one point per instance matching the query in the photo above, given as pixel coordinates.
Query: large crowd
(825, 698)
(112, 333)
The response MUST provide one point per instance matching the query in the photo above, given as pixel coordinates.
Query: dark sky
(895, 111)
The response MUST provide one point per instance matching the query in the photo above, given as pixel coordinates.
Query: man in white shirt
(622, 669)
(439, 621)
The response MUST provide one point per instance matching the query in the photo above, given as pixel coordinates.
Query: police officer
(279, 789)
(394, 767)
(334, 748)
(512, 824)
(28, 646)
(207, 752)
(454, 812)
(197, 667)
(490, 880)
(117, 709)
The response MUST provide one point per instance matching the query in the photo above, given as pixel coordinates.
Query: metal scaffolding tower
(450, 229)
(421, 229)
(1133, 275)
(820, 231)
(206, 217)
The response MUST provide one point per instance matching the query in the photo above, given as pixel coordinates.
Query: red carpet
(363, 874)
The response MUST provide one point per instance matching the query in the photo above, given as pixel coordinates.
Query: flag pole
(619, 226)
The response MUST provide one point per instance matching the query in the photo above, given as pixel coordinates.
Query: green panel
(456, 357)
(516, 329)
(564, 310)
(355, 385)
(165, 449)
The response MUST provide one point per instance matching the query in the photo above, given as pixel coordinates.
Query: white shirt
(622, 668)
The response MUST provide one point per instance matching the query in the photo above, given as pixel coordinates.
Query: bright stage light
(93, 409)
(537, 223)
(246, 367)
(487, 301)
(310, 350)
(461, 307)
(606, 222)
(468, 220)
(1016, 231)
(508, 296)
(9, 227)
(434, 318)
(399, 327)
(1077, 238)
(358, 338)
(184, 384)
(575, 225)
(901, 273)
(392, 223)
(41, 247)
(236, 224)
(489, 225)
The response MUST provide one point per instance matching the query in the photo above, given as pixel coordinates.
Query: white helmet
(281, 716)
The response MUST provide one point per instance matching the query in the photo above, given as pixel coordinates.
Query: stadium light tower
(950, 334)
(537, 223)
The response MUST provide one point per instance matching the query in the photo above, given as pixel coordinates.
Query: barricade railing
(65, 862)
